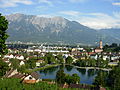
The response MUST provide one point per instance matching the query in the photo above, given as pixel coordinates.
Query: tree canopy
(3, 67)
(3, 34)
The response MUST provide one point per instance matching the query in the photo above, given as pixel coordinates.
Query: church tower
(100, 44)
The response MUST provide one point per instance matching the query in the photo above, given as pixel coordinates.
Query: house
(10, 73)
(29, 50)
(91, 53)
(6, 60)
(20, 57)
(94, 56)
(82, 57)
(22, 62)
(105, 57)
(112, 63)
(39, 62)
(10, 51)
(114, 57)
(37, 50)
(98, 50)
(9, 56)
(18, 75)
(65, 55)
(31, 78)
(14, 74)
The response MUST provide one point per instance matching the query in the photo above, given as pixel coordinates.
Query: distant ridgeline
(30, 28)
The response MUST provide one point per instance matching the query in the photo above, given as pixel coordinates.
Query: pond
(86, 75)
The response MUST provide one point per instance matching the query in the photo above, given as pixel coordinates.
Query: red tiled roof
(29, 81)
(35, 75)
(8, 73)
(20, 76)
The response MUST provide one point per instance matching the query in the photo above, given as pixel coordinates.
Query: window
(30, 77)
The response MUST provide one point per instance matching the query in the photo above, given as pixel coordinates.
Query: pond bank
(54, 65)
(42, 68)
(105, 69)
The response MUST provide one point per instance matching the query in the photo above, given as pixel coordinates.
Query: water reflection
(49, 70)
(86, 75)
(82, 71)
(91, 72)
(68, 68)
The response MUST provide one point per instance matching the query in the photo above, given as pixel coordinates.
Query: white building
(22, 63)
(9, 56)
(20, 57)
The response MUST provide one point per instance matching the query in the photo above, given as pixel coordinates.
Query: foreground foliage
(110, 80)
(14, 84)
(3, 67)
(3, 35)
(62, 78)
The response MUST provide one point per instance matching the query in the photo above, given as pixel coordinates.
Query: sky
(97, 14)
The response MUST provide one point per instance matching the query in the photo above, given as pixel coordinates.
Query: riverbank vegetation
(92, 63)
(109, 80)
(62, 78)
(5, 84)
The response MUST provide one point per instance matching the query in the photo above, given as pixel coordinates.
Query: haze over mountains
(32, 28)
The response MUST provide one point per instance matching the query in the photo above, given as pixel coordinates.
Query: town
(24, 60)
(43, 66)
(23, 53)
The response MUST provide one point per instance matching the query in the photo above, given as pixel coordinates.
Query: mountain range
(31, 28)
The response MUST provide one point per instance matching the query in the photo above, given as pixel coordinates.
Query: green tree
(3, 34)
(114, 45)
(68, 79)
(50, 58)
(101, 78)
(22, 68)
(14, 63)
(69, 60)
(114, 79)
(60, 76)
(75, 79)
(60, 58)
(31, 63)
(3, 67)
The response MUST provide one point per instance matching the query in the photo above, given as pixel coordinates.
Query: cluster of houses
(75, 53)
(20, 58)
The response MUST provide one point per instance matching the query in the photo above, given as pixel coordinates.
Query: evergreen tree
(3, 34)
(101, 78)
(69, 60)
(3, 68)
(60, 76)
(114, 79)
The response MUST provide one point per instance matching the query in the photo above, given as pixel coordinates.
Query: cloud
(46, 2)
(14, 3)
(101, 20)
(116, 3)
(70, 13)
(94, 20)
(116, 14)
(41, 8)
(76, 1)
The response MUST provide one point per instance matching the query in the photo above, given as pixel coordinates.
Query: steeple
(100, 44)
